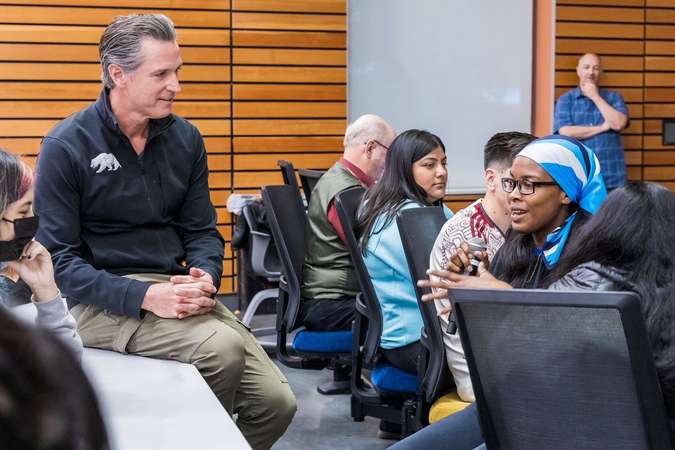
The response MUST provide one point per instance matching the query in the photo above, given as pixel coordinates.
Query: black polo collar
(157, 126)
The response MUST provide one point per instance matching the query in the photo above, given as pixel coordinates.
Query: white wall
(460, 69)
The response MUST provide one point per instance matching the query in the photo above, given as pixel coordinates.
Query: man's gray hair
(121, 41)
(365, 128)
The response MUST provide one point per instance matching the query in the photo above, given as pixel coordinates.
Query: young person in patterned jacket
(487, 218)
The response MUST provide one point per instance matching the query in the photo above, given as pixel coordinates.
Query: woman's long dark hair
(517, 257)
(398, 183)
(47, 401)
(634, 232)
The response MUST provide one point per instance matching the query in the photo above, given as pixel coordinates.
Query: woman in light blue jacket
(415, 176)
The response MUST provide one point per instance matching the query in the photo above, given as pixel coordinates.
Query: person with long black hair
(415, 175)
(629, 245)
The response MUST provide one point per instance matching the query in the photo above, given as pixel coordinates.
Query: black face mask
(24, 232)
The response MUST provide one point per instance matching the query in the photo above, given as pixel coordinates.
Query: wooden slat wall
(289, 74)
(636, 39)
(263, 80)
(659, 160)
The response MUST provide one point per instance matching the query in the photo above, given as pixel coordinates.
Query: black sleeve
(203, 244)
(57, 203)
(497, 264)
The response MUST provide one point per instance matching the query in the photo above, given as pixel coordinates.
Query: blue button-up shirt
(574, 108)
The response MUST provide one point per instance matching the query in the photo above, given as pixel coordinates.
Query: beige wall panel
(602, 2)
(578, 47)
(289, 127)
(304, 39)
(184, 4)
(103, 16)
(287, 109)
(287, 56)
(280, 144)
(300, 161)
(308, 22)
(266, 74)
(290, 91)
(600, 14)
(303, 6)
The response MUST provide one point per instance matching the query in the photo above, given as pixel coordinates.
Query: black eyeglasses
(379, 143)
(525, 187)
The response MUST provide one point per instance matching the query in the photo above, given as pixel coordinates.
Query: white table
(149, 403)
(154, 404)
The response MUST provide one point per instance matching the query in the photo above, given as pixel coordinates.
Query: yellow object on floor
(448, 404)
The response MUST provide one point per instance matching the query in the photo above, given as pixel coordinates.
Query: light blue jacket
(388, 269)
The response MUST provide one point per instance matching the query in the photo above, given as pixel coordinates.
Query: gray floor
(323, 422)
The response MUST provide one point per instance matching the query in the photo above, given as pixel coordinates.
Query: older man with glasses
(329, 283)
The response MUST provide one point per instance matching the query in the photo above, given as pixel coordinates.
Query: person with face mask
(26, 270)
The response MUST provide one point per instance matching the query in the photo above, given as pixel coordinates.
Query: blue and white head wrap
(576, 169)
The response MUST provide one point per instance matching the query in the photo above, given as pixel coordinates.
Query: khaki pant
(244, 379)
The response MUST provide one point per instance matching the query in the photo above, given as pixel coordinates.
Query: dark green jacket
(328, 272)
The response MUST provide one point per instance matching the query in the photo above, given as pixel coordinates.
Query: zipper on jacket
(148, 197)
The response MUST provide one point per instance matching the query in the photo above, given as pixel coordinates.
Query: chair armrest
(260, 246)
(360, 305)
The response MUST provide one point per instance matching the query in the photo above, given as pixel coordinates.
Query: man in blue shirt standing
(596, 117)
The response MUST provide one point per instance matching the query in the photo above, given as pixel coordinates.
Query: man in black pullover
(123, 198)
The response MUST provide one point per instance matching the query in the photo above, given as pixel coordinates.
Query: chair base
(389, 431)
(333, 387)
(340, 384)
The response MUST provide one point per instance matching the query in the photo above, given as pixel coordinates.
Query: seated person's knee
(222, 351)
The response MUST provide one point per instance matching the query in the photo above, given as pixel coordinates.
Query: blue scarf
(576, 169)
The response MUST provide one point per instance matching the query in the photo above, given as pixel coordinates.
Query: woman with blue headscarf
(554, 187)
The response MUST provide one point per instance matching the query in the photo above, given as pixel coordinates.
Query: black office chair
(288, 173)
(419, 228)
(393, 396)
(308, 179)
(312, 349)
(561, 370)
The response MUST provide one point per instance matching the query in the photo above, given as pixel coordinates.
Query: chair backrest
(418, 228)
(308, 179)
(347, 204)
(562, 370)
(262, 251)
(288, 222)
(288, 173)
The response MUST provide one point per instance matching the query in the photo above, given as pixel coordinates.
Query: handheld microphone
(476, 244)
